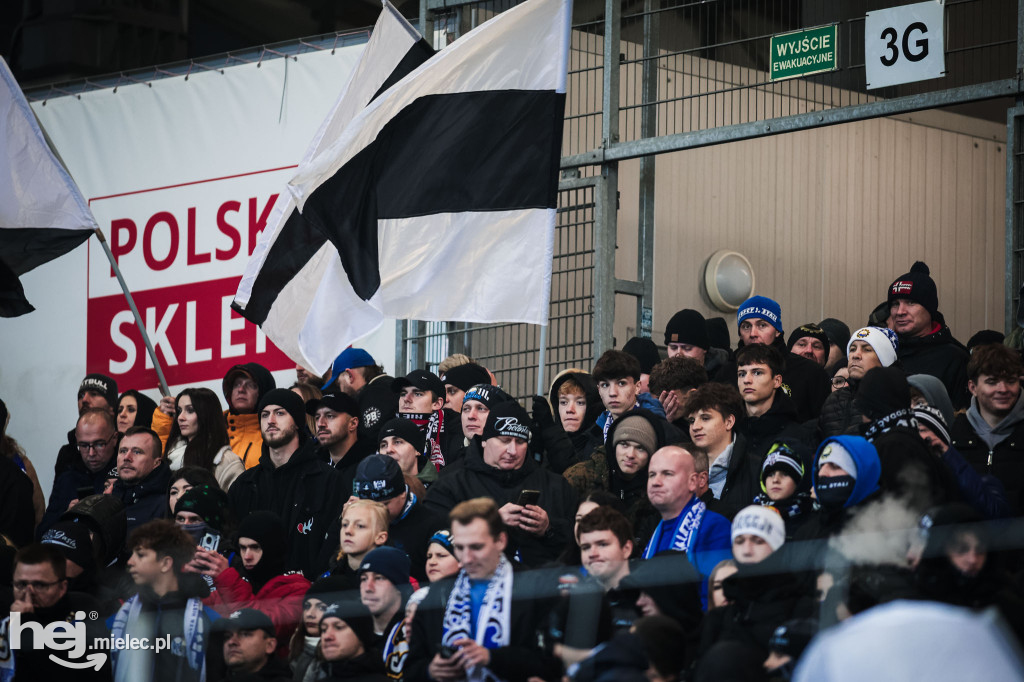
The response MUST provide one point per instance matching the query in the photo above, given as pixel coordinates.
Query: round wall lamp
(729, 280)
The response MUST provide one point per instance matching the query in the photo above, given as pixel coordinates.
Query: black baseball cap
(339, 402)
(421, 379)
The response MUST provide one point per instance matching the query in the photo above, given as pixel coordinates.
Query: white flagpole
(135, 311)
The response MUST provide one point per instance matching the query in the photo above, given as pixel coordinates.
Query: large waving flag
(435, 202)
(42, 213)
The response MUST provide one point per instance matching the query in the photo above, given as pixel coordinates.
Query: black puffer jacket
(305, 492)
(839, 415)
(475, 478)
(940, 355)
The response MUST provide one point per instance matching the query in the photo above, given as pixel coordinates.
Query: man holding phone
(536, 505)
(482, 625)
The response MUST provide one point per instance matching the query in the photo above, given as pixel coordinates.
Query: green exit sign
(801, 53)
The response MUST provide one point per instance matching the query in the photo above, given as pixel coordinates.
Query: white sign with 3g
(904, 44)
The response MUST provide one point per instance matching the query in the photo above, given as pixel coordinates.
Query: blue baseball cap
(349, 358)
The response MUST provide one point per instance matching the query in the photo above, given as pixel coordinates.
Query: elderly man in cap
(356, 373)
(96, 391)
(421, 399)
(248, 644)
(536, 505)
(290, 480)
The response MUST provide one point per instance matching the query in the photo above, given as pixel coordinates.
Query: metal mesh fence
(511, 351)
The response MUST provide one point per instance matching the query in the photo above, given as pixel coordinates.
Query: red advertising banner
(196, 335)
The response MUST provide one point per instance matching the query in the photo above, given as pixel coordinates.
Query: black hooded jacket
(304, 491)
(780, 422)
(940, 355)
(561, 448)
(67, 485)
(475, 478)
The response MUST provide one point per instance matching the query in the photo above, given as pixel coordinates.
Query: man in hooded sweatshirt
(991, 434)
(261, 582)
(290, 480)
(244, 387)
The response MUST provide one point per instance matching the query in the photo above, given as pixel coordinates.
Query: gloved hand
(542, 412)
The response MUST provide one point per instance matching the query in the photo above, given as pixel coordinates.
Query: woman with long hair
(307, 392)
(200, 438)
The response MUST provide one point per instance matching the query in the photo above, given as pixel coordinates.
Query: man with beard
(261, 582)
(356, 373)
(291, 481)
(338, 434)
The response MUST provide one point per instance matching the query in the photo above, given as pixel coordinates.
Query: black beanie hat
(100, 383)
(985, 337)
(330, 588)
(378, 478)
(268, 529)
(883, 390)
(838, 332)
(465, 377)
(812, 330)
(687, 326)
(507, 419)
(916, 286)
(208, 502)
(73, 541)
(351, 610)
(289, 400)
(645, 351)
(407, 430)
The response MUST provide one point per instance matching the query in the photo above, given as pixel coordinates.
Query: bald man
(686, 523)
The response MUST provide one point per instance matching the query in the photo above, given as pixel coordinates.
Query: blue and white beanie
(761, 307)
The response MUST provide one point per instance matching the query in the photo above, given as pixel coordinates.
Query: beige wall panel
(830, 217)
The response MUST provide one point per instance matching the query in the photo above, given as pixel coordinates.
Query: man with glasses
(97, 391)
(41, 597)
(96, 441)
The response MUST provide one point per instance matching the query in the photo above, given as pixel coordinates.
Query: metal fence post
(648, 128)
(606, 195)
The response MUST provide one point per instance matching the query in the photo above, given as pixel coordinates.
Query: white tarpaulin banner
(181, 176)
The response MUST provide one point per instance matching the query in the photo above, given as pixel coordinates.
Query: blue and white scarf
(130, 665)
(685, 531)
(493, 623)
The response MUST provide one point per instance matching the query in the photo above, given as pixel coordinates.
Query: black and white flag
(42, 213)
(432, 198)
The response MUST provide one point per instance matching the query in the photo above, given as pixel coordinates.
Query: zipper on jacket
(990, 459)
